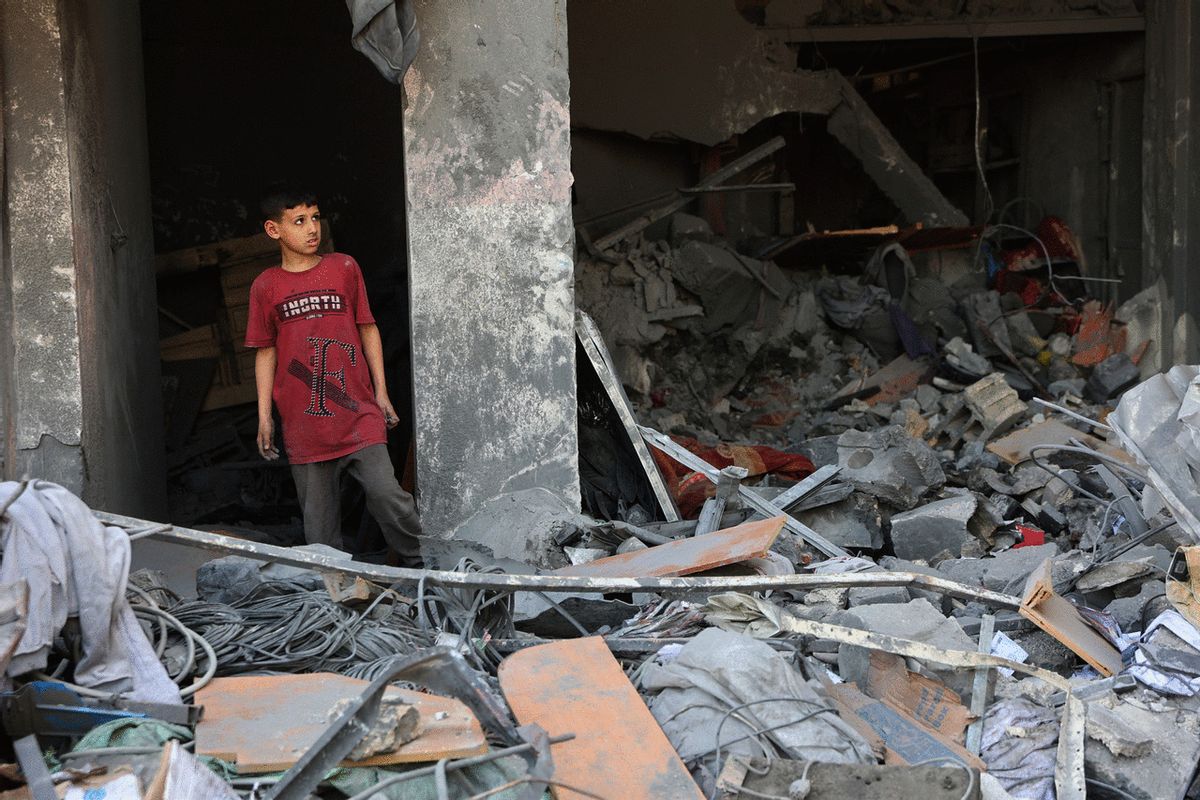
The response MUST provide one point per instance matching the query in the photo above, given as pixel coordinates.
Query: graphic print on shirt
(316, 302)
(318, 378)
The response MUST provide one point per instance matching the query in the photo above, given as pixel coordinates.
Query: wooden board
(1015, 447)
(1057, 616)
(619, 751)
(686, 556)
(265, 722)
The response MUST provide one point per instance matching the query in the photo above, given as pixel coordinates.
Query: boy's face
(298, 229)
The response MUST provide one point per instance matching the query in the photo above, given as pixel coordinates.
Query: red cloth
(1058, 238)
(691, 489)
(322, 384)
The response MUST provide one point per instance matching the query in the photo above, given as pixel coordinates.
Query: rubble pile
(875, 535)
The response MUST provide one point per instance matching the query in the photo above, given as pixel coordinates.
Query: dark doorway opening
(240, 95)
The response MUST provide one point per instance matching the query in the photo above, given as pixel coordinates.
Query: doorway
(239, 96)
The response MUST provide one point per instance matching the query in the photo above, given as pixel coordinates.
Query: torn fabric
(385, 31)
(77, 567)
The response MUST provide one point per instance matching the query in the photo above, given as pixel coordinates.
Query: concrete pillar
(487, 153)
(1171, 200)
(80, 399)
(44, 397)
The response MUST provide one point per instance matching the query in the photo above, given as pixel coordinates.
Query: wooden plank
(1055, 614)
(202, 342)
(686, 556)
(1015, 447)
(264, 723)
(619, 751)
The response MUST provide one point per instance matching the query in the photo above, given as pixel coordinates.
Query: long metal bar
(979, 687)
(807, 486)
(228, 545)
(753, 499)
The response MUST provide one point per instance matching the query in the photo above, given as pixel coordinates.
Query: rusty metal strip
(919, 650)
(684, 556)
(229, 545)
(753, 499)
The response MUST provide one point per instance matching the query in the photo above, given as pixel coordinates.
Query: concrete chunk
(853, 522)
(935, 528)
(889, 464)
(994, 403)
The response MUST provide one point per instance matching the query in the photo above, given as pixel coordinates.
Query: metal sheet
(265, 723)
(685, 556)
(619, 751)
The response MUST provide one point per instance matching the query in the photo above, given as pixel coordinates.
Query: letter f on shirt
(321, 374)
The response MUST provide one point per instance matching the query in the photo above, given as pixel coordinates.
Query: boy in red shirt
(320, 360)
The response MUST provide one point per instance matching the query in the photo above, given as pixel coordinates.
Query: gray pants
(318, 486)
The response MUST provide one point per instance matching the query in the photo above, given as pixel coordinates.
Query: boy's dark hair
(282, 196)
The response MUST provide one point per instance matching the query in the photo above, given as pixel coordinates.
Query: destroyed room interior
(800, 398)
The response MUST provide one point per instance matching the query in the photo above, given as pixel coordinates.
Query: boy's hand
(266, 440)
(389, 413)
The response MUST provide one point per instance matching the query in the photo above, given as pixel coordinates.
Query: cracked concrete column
(43, 409)
(487, 153)
(80, 396)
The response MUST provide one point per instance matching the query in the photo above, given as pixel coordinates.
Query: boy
(320, 359)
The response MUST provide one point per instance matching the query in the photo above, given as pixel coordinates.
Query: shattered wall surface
(487, 152)
(693, 69)
(697, 70)
(84, 405)
(1171, 199)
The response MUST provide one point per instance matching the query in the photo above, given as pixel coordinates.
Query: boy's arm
(264, 379)
(373, 351)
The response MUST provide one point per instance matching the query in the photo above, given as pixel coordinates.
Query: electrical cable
(987, 192)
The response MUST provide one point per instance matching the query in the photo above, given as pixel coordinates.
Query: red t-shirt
(322, 384)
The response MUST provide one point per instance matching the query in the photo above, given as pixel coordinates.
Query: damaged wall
(635, 68)
(84, 404)
(1171, 228)
(487, 151)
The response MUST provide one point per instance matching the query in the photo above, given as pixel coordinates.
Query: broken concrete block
(686, 227)
(994, 403)
(1110, 729)
(853, 522)
(873, 595)
(889, 464)
(1127, 611)
(1110, 377)
(917, 620)
(934, 528)
(522, 525)
(927, 398)
(395, 725)
(1165, 770)
(1004, 572)
(960, 356)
